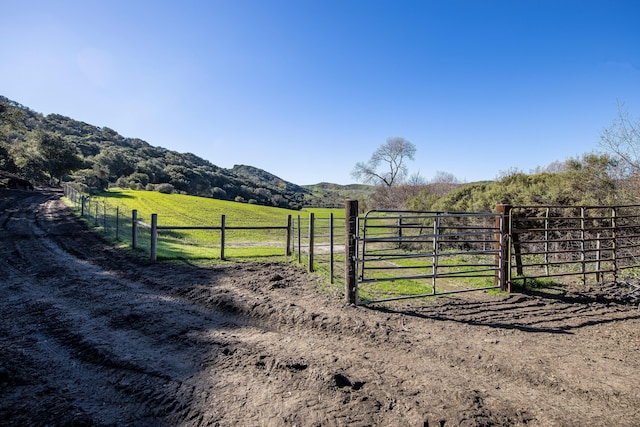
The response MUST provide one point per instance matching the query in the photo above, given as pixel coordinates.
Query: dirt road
(89, 336)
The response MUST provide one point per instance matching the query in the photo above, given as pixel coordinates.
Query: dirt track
(89, 336)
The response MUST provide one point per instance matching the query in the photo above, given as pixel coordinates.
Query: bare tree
(387, 164)
(416, 180)
(442, 183)
(622, 139)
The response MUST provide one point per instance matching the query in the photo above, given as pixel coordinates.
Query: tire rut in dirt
(89, 344)
(104, 339)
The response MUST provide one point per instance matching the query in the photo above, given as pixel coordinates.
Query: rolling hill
(98, 157)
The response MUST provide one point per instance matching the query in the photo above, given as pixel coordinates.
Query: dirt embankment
(89, 336)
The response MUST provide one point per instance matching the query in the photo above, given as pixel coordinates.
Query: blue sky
(306, 88)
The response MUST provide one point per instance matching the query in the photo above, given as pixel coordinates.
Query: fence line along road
(154, 227)
(526, 242)
(307, 238)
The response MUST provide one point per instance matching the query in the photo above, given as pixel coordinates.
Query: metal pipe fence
(390, 255)
(582, 241)
(419, 254)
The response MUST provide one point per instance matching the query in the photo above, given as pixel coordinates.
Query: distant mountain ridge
(108, 158)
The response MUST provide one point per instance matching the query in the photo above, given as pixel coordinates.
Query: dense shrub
(122, 182)
(165, 188)
(218, 193)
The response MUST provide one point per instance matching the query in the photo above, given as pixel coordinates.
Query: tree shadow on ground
(112, 195)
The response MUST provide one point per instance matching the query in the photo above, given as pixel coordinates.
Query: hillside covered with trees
(55, 148)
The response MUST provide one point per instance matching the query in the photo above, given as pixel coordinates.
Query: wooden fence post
(311, 238)
(331, 248)
(154, 237)
(517, 251)
(134, 229)
(299, 242)
(546, 244)
(117, 223)
(502, 245)
(83, 201)
(288, 250)
(350, 233)
(222, 235)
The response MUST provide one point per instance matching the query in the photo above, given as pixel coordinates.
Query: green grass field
(184, 210)
(205, 245)
(179, 209)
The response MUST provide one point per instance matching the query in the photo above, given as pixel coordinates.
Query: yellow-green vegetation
(455, 273)
(392, 289)
(183, 210)
(522, 282)
(180, 209)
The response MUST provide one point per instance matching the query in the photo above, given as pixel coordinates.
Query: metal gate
(412, 254)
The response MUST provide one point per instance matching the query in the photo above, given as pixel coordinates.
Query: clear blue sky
(306, 88)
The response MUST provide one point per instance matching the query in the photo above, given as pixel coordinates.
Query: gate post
(502, 245)
(288, 249)
(351, 231)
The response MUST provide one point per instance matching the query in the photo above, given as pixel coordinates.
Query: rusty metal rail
(584, 241)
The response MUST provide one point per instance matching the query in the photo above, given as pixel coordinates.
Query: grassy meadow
(183, 210)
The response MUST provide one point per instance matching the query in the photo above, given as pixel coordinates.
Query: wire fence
(499, 248)
(317, 242)
(111, 220)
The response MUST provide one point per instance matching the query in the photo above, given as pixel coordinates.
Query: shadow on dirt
(534, 311)
(622, 293)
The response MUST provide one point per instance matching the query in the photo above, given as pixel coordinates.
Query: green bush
(165, 188)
